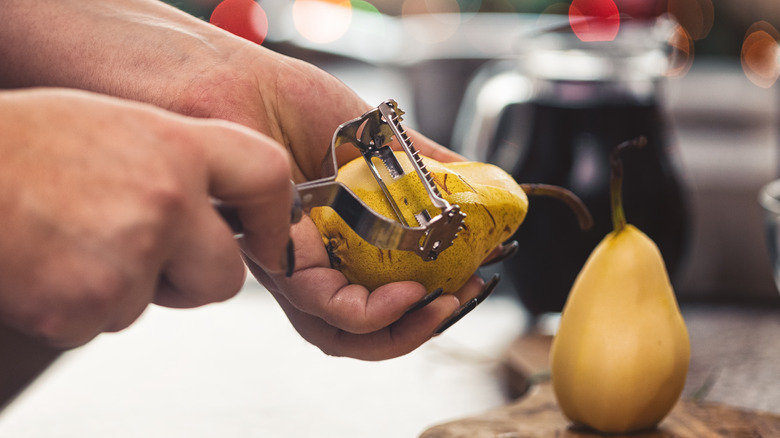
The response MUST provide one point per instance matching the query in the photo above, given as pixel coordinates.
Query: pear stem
(566, 196)
(616, 181)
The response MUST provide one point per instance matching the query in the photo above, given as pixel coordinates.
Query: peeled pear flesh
(494, 204)
(620, 357)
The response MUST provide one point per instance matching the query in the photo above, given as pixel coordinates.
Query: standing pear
(620, 357)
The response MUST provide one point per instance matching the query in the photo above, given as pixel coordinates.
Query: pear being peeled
(494, 204)
(620, 357)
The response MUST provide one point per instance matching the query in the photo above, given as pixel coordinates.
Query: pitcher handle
(496, 85)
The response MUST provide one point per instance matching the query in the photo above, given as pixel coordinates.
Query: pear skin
(494, 204)
(620, 357)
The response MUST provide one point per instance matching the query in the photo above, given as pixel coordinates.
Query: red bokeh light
(594, 20)
(244, 18)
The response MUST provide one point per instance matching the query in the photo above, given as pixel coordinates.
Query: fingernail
(290, 258)
(427, 299)
(507, 250)
(457, 316)
(464, 310)
(488, 288)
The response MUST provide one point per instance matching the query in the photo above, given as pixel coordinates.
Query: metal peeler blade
(373, 133)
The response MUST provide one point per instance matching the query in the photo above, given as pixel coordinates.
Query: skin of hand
(107, 207)
(172, 60)
(302, 111)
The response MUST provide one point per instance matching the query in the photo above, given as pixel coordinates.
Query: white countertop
(238, 369)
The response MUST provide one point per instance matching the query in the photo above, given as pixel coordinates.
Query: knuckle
(357, 325)
(275, 159)
(76, 315)
(105, 291)
(279, 163)
(277, 172)
(166, 198)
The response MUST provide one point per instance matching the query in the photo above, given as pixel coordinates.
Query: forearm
(138, 49)
(148, 51)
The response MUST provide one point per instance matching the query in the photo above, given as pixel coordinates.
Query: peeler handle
(230, 214)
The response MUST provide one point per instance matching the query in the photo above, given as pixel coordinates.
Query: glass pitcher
(552, 115)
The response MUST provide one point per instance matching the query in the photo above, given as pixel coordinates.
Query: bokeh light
(375, 26)
(442, 19)
(244, 18)
(364, 6)
(594, 20)
(369, 30)
(696, 16)
(682, 51)
(760, 54)
(322, 21)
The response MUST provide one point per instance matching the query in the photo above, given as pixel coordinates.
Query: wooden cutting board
(536, 414)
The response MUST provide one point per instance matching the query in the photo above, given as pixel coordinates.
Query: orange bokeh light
(760, 54)
(322, 21)
(696, 16)
(681, 58)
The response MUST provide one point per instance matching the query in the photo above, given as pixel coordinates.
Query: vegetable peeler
(373, 133)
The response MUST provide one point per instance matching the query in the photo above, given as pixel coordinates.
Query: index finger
(251, 172)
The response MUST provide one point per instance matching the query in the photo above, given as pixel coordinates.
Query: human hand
(304, 106)
(180, 63)
(345, 319)
(107, 208)
(342, 319)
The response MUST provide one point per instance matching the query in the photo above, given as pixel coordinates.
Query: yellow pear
(494, 204)
(620, 357)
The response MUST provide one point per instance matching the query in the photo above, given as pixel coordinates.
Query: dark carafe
(553, 115)
(570, 147)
